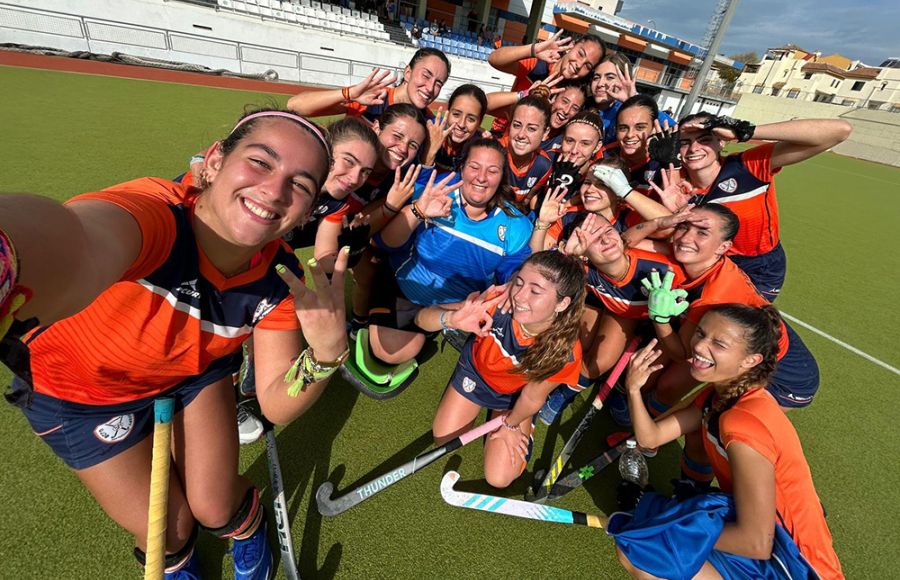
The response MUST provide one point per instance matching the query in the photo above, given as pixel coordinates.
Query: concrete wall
(203, 36)
(875, 137)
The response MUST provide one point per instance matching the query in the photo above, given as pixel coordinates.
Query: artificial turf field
(69, 133)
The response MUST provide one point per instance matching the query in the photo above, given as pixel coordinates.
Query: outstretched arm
(369, 91)
(801, 139)
(68, 254)
(506, 58)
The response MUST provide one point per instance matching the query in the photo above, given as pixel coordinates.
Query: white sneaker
(250, 428)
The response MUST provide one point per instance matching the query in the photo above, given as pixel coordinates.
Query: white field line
(839, 342)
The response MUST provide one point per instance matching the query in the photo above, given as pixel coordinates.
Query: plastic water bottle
(633, 466)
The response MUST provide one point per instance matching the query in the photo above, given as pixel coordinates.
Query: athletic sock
(700, 472)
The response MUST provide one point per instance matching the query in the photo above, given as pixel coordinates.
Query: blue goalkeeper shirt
(451, 257)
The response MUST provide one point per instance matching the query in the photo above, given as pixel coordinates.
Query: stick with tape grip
(285, 542)
(543, 489)
(514, 507)
(155, 566)
(331, 507)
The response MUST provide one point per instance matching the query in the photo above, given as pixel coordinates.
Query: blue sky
(861, 30)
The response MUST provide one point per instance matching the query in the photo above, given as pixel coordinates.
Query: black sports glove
(567, 174)
(742, 129)
(357, 238)
(663, 148)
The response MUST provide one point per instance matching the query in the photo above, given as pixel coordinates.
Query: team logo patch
(321, 209)
(116, 429)
(531, 181)
(468, 385)
(649, 175)
(729, 185)
(262, 309)
(501, 233)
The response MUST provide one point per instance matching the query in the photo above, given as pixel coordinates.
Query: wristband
(345, 92)
(388, 207)
(444, 324)
(305, 370)
(510, 427)
(541, 228)
(415, 211)
(520, 95)
(533, 44)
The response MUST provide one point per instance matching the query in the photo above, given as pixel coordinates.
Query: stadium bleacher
(463, 44)
(311, 13)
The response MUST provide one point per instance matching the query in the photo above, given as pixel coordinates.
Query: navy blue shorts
(468, 382)
(796, 377)
(766, 271)
(85, 435)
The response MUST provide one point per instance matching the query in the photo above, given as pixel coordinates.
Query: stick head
(447, 492)
(323, 499)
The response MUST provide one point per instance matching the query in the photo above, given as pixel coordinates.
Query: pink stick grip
(617, 370)
(481, 431)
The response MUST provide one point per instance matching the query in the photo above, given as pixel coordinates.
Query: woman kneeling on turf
(757, 459)
(151, 288)
(513, 360)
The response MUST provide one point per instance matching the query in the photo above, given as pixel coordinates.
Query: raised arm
(553, 208)
(68, 254)
(650, 433)
(801, 139)
(434, 202)
(506, 58)
(282, 397)
(370, 91)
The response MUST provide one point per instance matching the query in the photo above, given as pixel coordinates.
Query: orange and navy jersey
(371, 112)
(725, 283)
(374, 188)
(642, 175)
(449, 156)
(496, 356)
(628, 297)
(552, 145)
(169, 317)
(746, 185)
(528, 71)
(756, 420)
(535, 175)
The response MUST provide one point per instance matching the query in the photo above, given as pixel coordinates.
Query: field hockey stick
(514, 507)
(282, 524)
(540, 491)
(155, 564)
(329, 506)
(575, 479)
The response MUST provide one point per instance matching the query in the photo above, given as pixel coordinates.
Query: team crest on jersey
(531, 181)
(262, 309)
(116, 429)
(468, 385)
(649, 175)
(729, 185)
(321, 209)
(501, 233)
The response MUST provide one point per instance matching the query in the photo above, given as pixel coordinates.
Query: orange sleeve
(568, 375)
(339, 214)
(526, 65)
(282, 317)
(740, 426)
(759, 161)
(555, 231)
(355, 109)
(146, 201)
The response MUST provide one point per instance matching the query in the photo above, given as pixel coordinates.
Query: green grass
(70, 133)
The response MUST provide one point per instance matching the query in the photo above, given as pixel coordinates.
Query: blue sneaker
(252, 557)
(190, 571)
(558, 400)
(618, 407)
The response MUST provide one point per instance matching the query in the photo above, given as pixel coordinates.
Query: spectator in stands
(481, 41)
(423, 79)
(391, 9)
(473, 20)
(416, 33)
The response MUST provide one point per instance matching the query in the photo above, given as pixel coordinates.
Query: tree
(729, 75)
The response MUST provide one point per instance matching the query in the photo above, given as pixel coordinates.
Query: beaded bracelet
(415, 211)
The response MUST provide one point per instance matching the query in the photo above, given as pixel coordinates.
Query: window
(835, 83)
(807, 76)
(858, 85)
(895, 108)
(775, 91)
(793, 93)
(848, 102)
(874, 105)
(758, 89)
